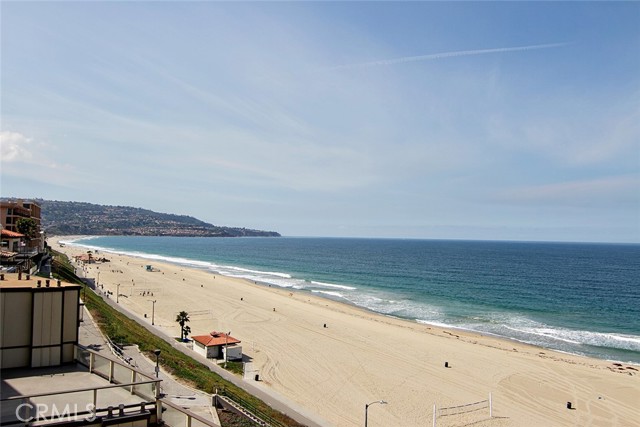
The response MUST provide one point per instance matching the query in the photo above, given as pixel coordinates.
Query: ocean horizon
(578, 298)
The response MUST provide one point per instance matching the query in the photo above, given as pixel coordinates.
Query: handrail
(95, 412)
(95, 353)
(78, 390)
(252, 409)
(243, 410)
(188, 413)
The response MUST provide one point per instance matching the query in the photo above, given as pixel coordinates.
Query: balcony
(94, 391)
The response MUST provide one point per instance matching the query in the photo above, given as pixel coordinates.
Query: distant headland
(78, 218)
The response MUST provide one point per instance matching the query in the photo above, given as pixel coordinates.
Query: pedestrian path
(177, 393)
(267, 395)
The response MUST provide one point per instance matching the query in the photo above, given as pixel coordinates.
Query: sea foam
(503, 289)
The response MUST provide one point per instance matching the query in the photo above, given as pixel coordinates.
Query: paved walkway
(269, 396)
(194, 400)
(273, 399)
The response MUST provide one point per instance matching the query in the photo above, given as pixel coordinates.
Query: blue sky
(463, 120)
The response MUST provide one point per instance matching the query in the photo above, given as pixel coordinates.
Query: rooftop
(215, 338)
(47, 382)
(7, 254)
(17, 281)
(9, 233)
(66, 394)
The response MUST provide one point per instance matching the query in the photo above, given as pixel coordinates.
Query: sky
(436, 120)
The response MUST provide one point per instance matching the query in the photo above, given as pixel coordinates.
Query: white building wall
(200, 348)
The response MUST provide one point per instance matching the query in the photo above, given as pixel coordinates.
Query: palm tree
(182, 318)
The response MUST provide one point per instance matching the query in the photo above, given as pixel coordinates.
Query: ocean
(573, 297)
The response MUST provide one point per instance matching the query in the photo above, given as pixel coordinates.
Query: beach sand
(361, 357)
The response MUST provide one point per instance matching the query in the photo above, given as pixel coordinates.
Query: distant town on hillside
(78, 218)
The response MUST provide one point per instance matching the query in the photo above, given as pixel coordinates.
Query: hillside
(67, 218)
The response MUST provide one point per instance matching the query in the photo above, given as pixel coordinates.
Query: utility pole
(153, 311)
(226, 343)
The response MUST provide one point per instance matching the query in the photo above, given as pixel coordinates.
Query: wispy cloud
(444, 55)
(620, 190)
(577, 140)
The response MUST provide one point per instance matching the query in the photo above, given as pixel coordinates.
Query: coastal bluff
(79, 218)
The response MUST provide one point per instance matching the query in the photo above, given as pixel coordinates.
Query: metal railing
(95, 401)
(175, 415)
(34, 408)
(250, 410)
(90, 403)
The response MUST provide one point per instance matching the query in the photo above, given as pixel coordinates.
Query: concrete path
(267, 395)
(195, 401)
(270, 397)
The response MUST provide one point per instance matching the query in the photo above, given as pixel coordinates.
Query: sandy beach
(331, 372)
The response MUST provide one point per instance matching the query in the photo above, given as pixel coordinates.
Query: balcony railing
(91, 403)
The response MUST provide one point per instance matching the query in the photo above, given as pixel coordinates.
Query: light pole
(98, 281)
(117, 291)
(157, 353)
(153, 311)
(226, 342)
(366, 409)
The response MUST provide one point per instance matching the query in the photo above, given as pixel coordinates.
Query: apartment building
(12, 210)
(24, 254)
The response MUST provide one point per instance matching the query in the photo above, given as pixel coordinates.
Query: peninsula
(74, 218)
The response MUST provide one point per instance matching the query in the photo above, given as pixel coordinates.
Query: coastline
(362, 356)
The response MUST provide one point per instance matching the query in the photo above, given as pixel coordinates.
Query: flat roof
(57, 379)
(11, 282)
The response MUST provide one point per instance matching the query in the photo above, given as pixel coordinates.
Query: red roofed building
(29, 249)
(12, 210)
(216, 344)
(9, 233)
(11, 240)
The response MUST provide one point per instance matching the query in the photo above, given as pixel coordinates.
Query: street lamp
(366, 409)
(117, 290)
(157, 353)
(153, 311)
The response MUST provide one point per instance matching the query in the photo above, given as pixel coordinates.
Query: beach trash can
(257, 377)
(569, 405)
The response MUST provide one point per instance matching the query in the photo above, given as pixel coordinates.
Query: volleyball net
(467, 408)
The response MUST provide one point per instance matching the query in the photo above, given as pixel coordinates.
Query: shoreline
(301, 360)
(326, 295)
(352, 306)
